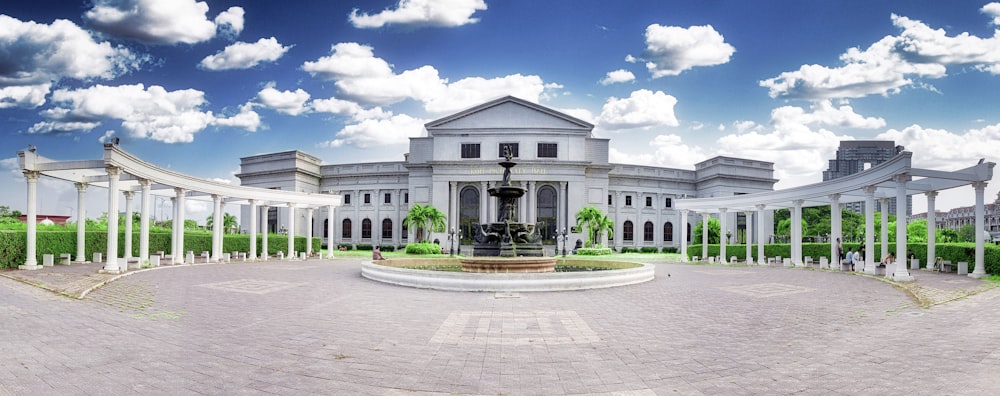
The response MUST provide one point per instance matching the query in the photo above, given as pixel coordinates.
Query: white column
(797, 233)
(377, 221)
(484, 217)
(836, 231)
(291, 232)
(658, 227)
(264, 233)
(356, 221)
(749, 237)
(81, 222)
(704, 236)
(723, 224)
(902, 273)
(931, 229)
(252, 254)
(128, 226)
(174, 250)
(217, 225)
(980, 270)
(144, 213)
(179, 257)
(532, 206)
(452, 206)
(619, 222)
(869, 257)
(30, 261)
(761, 240)
(111, 262)
(562, 217)
(309, 231)
(884, 236)
(331, 218)
(684, 242)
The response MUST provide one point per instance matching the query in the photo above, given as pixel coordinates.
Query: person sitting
(886, 260)
(849, 259)
(857, 257)
(377, 254)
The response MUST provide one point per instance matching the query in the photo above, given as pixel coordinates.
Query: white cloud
(242, 55)
(247, 119)
(34, 55)
(993, 10)
(664, 150)
(445, 13)
(288, 102)
(630, 59)
(642, 109)
(580, 113)
(618, 76)
(362, 77)
(942, 149)
(161, 22)
(153, 113)
(824, 114)
(348, 108)
(671, 50)
(372, 132)
(920, 44)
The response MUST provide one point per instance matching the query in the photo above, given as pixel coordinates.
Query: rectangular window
(609, 199)
(347, 199)
(669, 203)
(513, 150)
(628, 200)
(470, 150)
(368, 198)
(406, 198)
(649, 202)
(388, 198)
(548, 150)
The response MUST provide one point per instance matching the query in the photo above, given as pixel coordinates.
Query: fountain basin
(390, 271)
(506, 265)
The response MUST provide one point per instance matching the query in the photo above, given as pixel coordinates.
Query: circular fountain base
(508, 265)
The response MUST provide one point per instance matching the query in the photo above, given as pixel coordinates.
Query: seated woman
(377, 254)
(886, 260)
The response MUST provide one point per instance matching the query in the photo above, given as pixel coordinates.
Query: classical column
(290, 251)
(884, 236)
(931, 229)
(532, 202)
(658, 228)
(619, 222)
(144, 213)
(684, 242)
(797, 233)
(309, 231)
(331, 217)
(563, 216)
(81, 222)
(174, 251)
(217, 225)
(453, 207)
(264, 233)
(30, 260)
(704, 236)
(761, 240)
(252, 254)
(869, 257)
(128, 226)
(980, 270)
(836, 231)
(483, 203)
(111, 262)
(356, 221)
(902, 272)
(179, 258)
(723, 240)
(377, 223)
(749, 236)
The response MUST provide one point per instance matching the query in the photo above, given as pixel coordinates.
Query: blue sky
(194, 86)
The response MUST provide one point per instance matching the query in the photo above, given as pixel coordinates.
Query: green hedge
(423, 248)
(594, 251)
(954, 252)
(13, 249)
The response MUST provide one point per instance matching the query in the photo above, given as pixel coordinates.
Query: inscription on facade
(517, 171)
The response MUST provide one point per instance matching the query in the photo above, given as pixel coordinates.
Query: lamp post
(451, 241)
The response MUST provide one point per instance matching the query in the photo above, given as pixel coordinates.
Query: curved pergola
(123, 173)
(895, 178)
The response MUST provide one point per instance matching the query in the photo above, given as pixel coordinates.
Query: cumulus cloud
(943, 149)
(443, 13)
(288, 102)
(377, 132)
(664, 150)
(890, 64)
(642, 109)
(161, 22)
(34, 55)
(242, 55)
(671, 50)
(145, 113)
(993, 10)
(825, 114)
(361, 76)
(348, 108)
(618, 76)
(247, 119)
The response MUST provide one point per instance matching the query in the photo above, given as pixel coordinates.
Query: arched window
(627, 231)
(366, 229)
(345, 230)
(326, 228)
(406, 232)
(647, 231)
(545, 213)
(387, 229)
(468, 212)
(668, 232)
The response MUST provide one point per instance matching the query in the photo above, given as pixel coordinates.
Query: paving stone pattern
(266, 328)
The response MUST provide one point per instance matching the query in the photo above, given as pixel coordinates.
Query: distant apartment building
(854, 156)
(956, 218)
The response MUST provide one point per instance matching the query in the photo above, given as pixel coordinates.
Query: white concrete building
(560, 163)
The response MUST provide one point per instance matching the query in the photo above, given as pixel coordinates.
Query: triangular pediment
(508, 113)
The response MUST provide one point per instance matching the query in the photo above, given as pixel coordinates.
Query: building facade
(854, 156)
(956, 218)
(561, 165)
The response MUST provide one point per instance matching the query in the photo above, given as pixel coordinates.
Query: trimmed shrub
(387, 248)
(345, 246)
(669, 250)
(594, 251)
(423, 248)
(649, 249)
(363, 247)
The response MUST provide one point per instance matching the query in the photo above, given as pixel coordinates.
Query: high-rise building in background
(854, 156)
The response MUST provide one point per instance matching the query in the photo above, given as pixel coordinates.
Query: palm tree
(420, 216)
(595, 222)
(229, 224)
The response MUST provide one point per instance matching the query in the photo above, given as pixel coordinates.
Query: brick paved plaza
(317, 327)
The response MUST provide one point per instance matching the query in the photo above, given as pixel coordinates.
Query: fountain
(506, 245)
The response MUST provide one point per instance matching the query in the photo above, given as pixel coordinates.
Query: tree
(916, 231)
(713, 231)
(967, 233)
(595, 222)
(945, 235)
(229, 224)
(424, 217)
